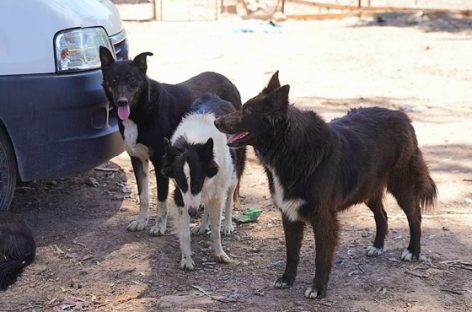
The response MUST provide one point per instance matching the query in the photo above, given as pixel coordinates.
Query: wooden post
(359, 3)
(154, 15)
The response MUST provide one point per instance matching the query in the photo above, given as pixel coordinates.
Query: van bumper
(58, 124)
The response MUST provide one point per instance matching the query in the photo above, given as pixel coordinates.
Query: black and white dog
(17, 248)
(206, 172)
(148, 112)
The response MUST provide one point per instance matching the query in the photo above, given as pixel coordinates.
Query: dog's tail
(426, 189)
(9, 272)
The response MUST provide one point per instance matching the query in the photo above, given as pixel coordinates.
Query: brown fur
(328, 167)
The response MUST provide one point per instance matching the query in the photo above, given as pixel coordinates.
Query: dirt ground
(86, 260)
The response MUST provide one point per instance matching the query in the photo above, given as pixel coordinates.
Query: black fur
(17, 248)
(157, 108)
(198, 155)
(332, 166)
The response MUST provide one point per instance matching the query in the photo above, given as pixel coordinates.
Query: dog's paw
(314, 293)
(200, 229)
(372, 251)
(187, 264)
(159, 228)
(227, 229)
(408, 256)
(137, 225)
(222, 257)
(282, 283)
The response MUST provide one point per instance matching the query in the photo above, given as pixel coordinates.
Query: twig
(80, 244)
(104, 169)
(207, 294)
(452, 291)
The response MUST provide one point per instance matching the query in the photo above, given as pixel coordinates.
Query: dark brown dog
(316, 169)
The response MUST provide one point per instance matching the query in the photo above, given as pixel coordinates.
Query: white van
(54, 116)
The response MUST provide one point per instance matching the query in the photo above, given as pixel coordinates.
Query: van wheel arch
(8, 169)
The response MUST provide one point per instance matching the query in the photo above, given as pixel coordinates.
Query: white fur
(406, 255)
(161, 220)
(288, 207)
(140, 223)
(372, 251)
(198, 128)
(141, 152)
(137, 150)
(311, 293)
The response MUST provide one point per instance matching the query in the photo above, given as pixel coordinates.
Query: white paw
(311, 293)
(280, 284)
(159, 228)
(187, 263)
(227, 229)
(138, 224)
(372, 251)
(200, 229)
(406, 255)
(222, 257)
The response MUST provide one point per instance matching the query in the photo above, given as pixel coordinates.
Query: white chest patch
(138, 150)
(288, 207)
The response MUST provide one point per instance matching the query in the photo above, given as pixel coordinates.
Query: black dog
(148, 112)
(17, 248)
(316, 169)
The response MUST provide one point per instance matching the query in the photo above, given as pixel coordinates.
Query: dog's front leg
(325, 228)
(228, 228)
(141, 173)
(183, 228)
(162, 191)
(214, 211)
(293, 241)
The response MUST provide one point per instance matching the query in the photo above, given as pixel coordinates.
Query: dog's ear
(206, 152)
(170, 153)
(106, 58)
(141, 62)
(273, 85)
(279, 98)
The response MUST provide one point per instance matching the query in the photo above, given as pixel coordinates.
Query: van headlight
(78, 49)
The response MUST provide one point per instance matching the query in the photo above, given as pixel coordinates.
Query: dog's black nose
(192, 211)
(122, 102)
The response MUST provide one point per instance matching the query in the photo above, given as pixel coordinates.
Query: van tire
(8, 172)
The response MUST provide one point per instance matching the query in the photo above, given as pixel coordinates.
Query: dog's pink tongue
(123, 112)
(236, 137)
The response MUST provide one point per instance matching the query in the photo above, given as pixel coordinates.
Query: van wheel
(8, 173)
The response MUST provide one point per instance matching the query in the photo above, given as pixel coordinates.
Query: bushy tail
(425, 186)
(428, 193)
(9, 272)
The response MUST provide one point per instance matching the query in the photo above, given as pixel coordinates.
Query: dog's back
(17, 248)
(380, 148)
(213, 83)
